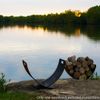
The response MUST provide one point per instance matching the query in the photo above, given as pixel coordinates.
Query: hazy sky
(29, 7)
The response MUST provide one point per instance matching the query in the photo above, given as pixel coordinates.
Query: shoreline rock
(63, 87)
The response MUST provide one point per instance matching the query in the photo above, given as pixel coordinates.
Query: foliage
(2, 83)
(18, 96)
(95, 76)
(91, 17)
(8, 95)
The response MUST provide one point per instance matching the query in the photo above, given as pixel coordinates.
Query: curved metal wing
(52, 79)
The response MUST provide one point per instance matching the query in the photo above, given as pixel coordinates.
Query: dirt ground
(63, 87)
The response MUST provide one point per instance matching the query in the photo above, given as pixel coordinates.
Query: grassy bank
(17, 96)
(7, 95)
(14, 91)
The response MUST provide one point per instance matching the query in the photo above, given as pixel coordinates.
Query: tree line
(91, 17)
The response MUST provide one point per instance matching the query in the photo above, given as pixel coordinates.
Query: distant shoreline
(91, 17)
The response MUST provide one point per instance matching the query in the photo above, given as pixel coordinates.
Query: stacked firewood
(80, 68)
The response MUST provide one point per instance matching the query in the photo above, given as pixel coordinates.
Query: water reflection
(92, 31)
(43, 46)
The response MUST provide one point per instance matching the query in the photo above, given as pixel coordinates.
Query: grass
(3, 82)
(17, 96)
(7, 95)
(95, 76)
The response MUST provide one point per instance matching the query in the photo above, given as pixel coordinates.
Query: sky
(29, 7)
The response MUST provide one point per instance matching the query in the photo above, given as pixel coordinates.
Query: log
(83, 77)
(71, 72)
(89, 62)
(87, 58)
(79, 65)
(89, 73)
(84, 64)
(80, 68)
(77, 75)
(77, 69)
(72, 59)
(93, 66)
(74, 63)
(70, 67)
(80, 59)
(68, 63)
(87, 69)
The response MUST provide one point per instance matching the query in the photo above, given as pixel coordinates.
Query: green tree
(93, 15)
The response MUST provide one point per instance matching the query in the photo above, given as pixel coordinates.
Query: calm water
(42, 48)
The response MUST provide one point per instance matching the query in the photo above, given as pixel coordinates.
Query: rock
(63, 87)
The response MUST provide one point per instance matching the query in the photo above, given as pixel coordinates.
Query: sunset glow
(29, 7)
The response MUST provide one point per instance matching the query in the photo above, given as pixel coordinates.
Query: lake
(42, 47)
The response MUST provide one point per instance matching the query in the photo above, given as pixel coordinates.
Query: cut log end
(80, 68)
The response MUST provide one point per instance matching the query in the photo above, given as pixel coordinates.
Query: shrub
(2, 83)
(95, 76)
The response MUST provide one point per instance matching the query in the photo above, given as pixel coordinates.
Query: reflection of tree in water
(92, 32)
(67, 30)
